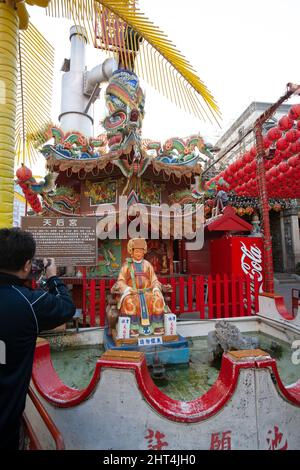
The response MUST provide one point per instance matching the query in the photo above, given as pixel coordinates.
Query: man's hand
(50, 267)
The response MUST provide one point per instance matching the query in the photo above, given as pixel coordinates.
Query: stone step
(286, 278)
(291, 280)
(280, 276)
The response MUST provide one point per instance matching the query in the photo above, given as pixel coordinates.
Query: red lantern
(253, 152)
(277, 154)
(238, 176)
(273, 181)
(281, 176)
(277, 159)
(290, 172)
(268, 164)
(274, 172)
(38, 207)
(285, 123)
(252, 166)
(283, 167)
(248, 157)
(294, 112)
(266, 142)
(293, 147)
(23, 173)
(31, 199)
(25, 191)
(233, 168)
(286, 154)
(293, 161)
(274, 134)
(282, 144)
(292, 135)
(239, 164)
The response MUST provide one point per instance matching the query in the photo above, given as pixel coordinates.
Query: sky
(243, 51)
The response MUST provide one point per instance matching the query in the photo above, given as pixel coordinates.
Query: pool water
(189, 382)
(76, 366)
(181, 382)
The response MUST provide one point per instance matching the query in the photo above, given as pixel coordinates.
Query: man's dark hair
(16, 247)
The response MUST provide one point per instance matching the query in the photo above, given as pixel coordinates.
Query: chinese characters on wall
(71, 241)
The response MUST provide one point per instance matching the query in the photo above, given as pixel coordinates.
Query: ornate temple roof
(73, 152)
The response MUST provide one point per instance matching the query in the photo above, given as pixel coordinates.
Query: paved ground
(285, 289)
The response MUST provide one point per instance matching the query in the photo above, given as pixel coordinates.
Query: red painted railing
(34, 443)
(208, 297)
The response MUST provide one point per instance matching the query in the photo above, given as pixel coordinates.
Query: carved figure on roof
(179, 151)
(72, 145)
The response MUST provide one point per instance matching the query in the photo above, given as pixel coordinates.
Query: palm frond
(34, 94)
(156, 59)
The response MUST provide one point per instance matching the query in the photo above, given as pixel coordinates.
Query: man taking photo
(24, 312)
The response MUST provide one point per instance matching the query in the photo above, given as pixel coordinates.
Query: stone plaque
(72, 241)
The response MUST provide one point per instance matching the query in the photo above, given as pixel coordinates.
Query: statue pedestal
(172, 350)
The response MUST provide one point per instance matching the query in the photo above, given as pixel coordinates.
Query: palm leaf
(34, 95)
(157, 60)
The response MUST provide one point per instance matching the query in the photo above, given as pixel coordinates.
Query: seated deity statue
(141, 296)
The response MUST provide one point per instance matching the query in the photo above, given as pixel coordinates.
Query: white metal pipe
(73, 101)
(78, 84)
(101, 73)
(78, 38)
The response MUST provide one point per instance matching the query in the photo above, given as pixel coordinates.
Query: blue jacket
(24, 312)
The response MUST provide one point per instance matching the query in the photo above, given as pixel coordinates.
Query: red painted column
(264, 208)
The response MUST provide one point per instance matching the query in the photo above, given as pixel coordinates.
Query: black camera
(38, 268)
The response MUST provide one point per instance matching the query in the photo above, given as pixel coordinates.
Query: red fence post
(173, 296)
(210, 297)
(181, 295)
(92, 302)
(200, 306)
(102, 294)
(256, 295)
(226, 295)
(233, 295)
(218, 296)
(84, 296)
(248, 296)
(190, 293)
(241, 297)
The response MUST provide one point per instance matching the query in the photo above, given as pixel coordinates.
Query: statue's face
(138, 254)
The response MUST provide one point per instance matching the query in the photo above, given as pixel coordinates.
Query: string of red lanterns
(282, 144)
(24, 176)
